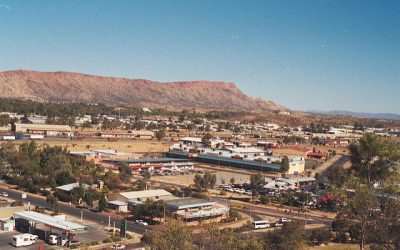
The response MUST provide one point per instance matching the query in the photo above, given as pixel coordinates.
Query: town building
(138, 197)
(42, 129)
(196, 211)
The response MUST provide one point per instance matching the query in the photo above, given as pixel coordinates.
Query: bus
(261, 224)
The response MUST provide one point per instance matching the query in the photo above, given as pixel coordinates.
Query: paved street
(99, 218)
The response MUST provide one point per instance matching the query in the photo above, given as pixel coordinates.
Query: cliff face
(74, 87)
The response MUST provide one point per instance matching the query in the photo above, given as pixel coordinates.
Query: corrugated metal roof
(183, 203)
(145, 194)
(50, 221)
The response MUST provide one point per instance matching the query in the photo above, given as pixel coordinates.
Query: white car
(5, 194)
(284, 220)
(118, 246)
(141, 222)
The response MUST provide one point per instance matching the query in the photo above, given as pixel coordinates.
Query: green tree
(89, 198)
(372, 157)
(63, 178)
(52, 200)
(257, 183)
(160, 134)
(264, 199)
(206, 140)
(102, 202)
(285, 164)
(146, 175)
(125, 173)
(5, 120)
(175, 237)
(359, 212)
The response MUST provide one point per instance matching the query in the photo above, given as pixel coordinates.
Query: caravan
(24, 240)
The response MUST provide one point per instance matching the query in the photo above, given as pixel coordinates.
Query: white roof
(109, 152)
(118, 203)
(50, 221)
(192, 139)
(69, 187)
(246, 150)
(145, 194)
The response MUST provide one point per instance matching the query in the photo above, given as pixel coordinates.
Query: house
(190, 140)
(138, 197)
(247, 151)
(64, 192)
(194, 211)
(315, 155)
(118, 206)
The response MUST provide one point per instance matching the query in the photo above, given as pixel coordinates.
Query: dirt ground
(222, 176)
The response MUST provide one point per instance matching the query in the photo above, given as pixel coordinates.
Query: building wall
(297, 166)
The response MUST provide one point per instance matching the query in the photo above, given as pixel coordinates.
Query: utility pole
(165, 222)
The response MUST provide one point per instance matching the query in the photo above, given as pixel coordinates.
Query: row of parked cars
(233, 189)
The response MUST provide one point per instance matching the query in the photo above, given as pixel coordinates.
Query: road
(336, 162)
(256, 212)
(98, 218)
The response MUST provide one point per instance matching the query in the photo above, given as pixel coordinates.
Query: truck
(8, 138)
(36, 137)
(23, 195)
(21, 240)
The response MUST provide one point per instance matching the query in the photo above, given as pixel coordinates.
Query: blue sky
(302, 54)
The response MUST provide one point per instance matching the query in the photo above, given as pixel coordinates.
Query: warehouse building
(42, 129)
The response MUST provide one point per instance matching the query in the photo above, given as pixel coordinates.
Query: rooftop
(69, 187)
(145, 194)
(50, 221)
(183, 203)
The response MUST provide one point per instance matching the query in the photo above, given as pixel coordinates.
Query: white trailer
(8, 138)
(36, 137)
(21, 240)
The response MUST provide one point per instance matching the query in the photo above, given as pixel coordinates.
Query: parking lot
(6, 237)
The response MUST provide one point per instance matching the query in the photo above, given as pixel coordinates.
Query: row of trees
(370, 213)
(290, 236)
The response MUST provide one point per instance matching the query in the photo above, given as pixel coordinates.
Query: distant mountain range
(76, 87)
(386, 116)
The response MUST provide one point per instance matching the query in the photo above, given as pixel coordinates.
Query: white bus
(261, 224)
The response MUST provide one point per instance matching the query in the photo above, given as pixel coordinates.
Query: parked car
(118, 246)
(278, 224)
(142, 222)
(283, 220)
(5, 194)
(73, 243)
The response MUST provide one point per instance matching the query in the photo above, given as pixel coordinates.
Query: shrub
(17, 204)
(107, 240)
(320, 236)
(264, 199)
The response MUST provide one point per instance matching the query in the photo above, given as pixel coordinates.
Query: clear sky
(303, 54)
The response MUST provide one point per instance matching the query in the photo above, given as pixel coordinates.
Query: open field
(126, 146)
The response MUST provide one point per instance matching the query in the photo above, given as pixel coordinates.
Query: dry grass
(126, 146)
(336, 247)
